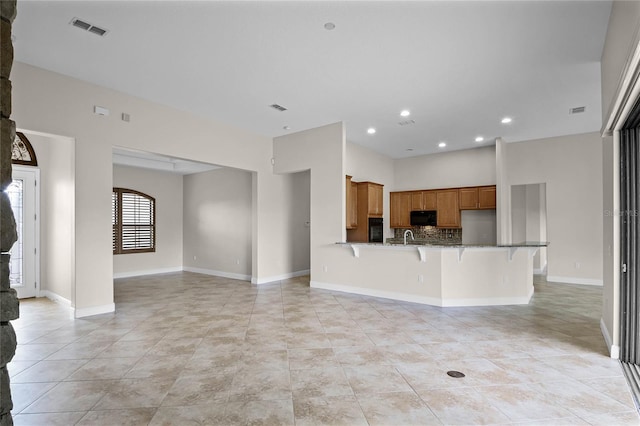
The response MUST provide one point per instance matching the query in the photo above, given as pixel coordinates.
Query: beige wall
(622, 39)
(217, 222)
(166, 188)
(571, 168)
(322, 151)
(478, 226)
(47, 102)
(57, 255)
(469, 167)
(363, 164)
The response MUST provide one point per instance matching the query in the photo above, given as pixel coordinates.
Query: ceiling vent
(577, 110)
(83, 25)
(278, 107)
(406, 122)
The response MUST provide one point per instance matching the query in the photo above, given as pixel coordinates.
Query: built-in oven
(375, 230)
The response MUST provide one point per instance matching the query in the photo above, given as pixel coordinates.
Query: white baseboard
(215, 273)
(54, 297)
(614, 350)
(433, 301)
(573, 280)
(95, 310)
(147, 272)
(275, 278)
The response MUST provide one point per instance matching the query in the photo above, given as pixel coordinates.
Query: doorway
(529, 219)
(24, 197)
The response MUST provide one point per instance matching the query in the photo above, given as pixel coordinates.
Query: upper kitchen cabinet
(372, 195)
(468, 198)
(352, 203)
(487, 197)
(480, 197)
(423, 200)
(400, 209)
(448, 208)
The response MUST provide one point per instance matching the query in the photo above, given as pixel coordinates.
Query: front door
(23, 264)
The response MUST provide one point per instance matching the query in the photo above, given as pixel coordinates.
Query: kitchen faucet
(408, 232)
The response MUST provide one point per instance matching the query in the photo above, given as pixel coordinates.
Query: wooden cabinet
(374, 197)
(352, 204)
(429, 200)
(416, 200)
(487, 197)
(400, 208)
(448, 208)
(423, 200)
(468, 198)
(477, 197)
(448, 203)
(368, 204)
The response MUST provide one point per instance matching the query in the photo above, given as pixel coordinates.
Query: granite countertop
(391, 242)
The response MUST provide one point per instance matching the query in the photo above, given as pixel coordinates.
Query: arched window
(133, 215)
(22, 152)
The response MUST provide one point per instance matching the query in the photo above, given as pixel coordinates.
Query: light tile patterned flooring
(188, 349)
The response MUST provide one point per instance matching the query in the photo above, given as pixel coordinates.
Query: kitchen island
(439, 274)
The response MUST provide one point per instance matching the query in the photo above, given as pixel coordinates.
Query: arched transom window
(22, 152)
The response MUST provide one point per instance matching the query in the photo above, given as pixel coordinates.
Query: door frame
(36, 174)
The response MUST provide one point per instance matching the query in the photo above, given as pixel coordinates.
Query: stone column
(9, 307)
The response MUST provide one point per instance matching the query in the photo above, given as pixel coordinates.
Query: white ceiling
(458, 66)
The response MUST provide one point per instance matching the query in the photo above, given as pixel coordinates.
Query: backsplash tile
(431, 234)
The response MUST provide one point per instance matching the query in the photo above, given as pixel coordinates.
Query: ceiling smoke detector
(84, 25)
(278, 107)
(577, 110)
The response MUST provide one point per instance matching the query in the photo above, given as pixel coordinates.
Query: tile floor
(187, 349)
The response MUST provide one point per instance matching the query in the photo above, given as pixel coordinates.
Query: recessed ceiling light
(506, 120)
(329, 26)
(479, 139)
(442, 144)
(405, 113)
(371, 130)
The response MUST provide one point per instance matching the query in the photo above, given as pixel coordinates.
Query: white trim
(267, 280)
(95, 310)
(54, 297)
(574, 280)
(614, 350)
(433, 301)
(627, 91)
(35, 172)
(215, 273)
(147, 272)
